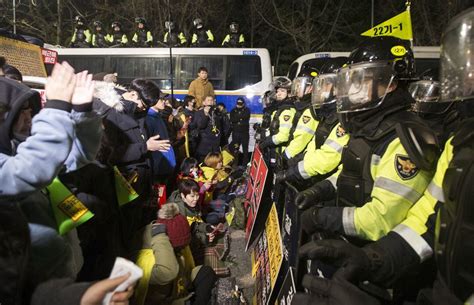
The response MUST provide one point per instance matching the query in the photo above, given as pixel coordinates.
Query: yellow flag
(398, 26)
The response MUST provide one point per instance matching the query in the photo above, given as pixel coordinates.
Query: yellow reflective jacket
(325, 159)
(302, 135)
(398, 185)
(285, 120)
(421, 217)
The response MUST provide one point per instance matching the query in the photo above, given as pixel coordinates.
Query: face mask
(358, 95)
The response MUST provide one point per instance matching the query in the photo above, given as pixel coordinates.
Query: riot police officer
(142, 37)
(281, 118)
(391, 154)
(323, 153)
(305, 123)
(202, 37)
(172, 38)
(82, 36)
(117, 38)
(441, 117)
(234, 39)
(441, 222)
(98, 36)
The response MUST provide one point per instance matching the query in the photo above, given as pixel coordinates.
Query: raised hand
(84, 89)
(60, 85)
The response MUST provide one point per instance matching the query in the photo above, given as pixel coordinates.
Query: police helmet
(97, 24)
(324, 85)
(79, 20)
(267, 98)
(116, 24)
(140, 20)
(281, 82)
(454, 227)
(234, 27)
(169, 25)
(303, 81)
(426, 92)
(456, 59)
(198, 23)
(371, 70)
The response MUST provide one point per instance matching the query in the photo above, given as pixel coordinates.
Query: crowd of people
(382, 157)
(143, 36)
(83, 180)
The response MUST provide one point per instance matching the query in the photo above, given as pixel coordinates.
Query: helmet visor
(425, 91)
(457, 60)
(300, 85)
(323, 90)
(363, 86)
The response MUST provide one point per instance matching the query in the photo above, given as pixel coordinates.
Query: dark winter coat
(157, 126)
(240, 118)
(209, 133)
(124, 145)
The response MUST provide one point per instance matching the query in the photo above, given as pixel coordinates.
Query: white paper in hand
(122, 267)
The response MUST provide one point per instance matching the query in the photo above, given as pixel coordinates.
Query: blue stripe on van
(254, 103)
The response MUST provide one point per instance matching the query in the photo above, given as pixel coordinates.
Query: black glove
(280, 177)
(308, 198)
(158, 228)
(266, 143)
(308, 220)
(332, 292)
(292, 175)
(353, 262)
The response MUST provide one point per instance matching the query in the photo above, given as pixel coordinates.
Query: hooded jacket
(124, 145)
(58, 137)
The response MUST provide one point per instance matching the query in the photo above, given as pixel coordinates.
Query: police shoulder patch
(405, 168)
(286, 117)
(340, 132)
(306, 119)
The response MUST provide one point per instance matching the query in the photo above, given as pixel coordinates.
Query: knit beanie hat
(177, 227)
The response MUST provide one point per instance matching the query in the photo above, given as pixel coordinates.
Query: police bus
(425, 58)
(232, 72)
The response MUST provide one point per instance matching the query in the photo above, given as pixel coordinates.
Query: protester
(171, 275)
(240, 118)
(208, 125)
(201, 87)
(58, 134)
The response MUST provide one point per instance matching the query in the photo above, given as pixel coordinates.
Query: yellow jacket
(200, 88)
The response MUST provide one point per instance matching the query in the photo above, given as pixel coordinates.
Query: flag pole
(408, 5)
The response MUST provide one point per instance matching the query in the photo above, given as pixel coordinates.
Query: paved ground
(241, 268)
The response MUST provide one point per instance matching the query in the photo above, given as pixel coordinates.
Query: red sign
(49, 56)
(258, 174)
